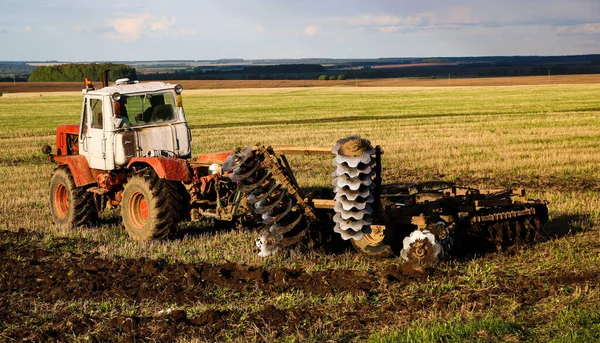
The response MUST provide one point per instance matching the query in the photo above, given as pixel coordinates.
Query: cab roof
(131, 88)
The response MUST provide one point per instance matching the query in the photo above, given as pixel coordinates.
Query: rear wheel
(180, 199)
(71, 206)
(147, 208)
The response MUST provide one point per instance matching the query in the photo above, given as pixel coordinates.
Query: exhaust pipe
(105, 78)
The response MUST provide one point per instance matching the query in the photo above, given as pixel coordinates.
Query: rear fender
(216, 157)
(79, 167)
(168, 168)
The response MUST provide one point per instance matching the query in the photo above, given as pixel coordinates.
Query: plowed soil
(37, 273)
(24, 87)
(54, 274)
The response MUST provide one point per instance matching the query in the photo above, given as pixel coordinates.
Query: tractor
(132, 150)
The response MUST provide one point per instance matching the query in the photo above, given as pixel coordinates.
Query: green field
(545, 138)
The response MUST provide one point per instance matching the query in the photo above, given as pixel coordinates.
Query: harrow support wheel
(71, 206)
(148, 208)
(372, 244)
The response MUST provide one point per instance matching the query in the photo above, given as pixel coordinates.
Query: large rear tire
(71, 206)
(180, 199)
(147, 208)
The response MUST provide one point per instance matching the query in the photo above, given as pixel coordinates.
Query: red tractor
(132, 147)
(129, 149)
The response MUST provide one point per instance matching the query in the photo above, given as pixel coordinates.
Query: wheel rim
(138, 209)
(61, 200)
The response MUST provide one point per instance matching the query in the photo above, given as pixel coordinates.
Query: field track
(28, 87)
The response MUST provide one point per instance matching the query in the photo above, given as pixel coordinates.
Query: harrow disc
(352, 183)
(262, 192)
(353, 161)
(343, 168)
(236, 159)
(358, 203)
(281, 228)
(255, 180)
(510, 233)
(351, 195)
(421, 248)
(278, 212)
(373, 244)
(270, 201)
(353, 213)
(243, 172)
(351, 224)
(275, 237)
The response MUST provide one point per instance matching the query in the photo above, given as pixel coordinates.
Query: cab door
(93, 142)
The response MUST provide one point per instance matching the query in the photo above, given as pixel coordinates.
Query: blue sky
(68, 30)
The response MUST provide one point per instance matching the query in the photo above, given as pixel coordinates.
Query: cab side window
(96, 107)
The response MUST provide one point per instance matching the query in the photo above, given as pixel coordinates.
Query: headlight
(178, 89)
(116, 96)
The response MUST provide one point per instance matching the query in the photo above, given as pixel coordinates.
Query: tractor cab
(131, 119)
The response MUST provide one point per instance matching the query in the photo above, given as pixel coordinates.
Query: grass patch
(576, 324)
(456, 331)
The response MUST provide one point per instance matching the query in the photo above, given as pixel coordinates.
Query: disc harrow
(479, 221)
(422, 223)
(271, 193)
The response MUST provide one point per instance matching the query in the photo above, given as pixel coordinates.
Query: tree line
(266, 72)
(79, 71)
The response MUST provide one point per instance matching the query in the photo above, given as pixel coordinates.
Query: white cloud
(128, 29)
(417, 22)
(388, 29)
(133, 27)
(310, 30)
(387, 20)
(259, 28)
(27, 28)
(164, 24)
(585, 29)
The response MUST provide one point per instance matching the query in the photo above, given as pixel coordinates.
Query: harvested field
(208, 284)
(29, 87)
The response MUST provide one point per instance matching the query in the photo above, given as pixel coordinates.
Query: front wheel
(147, 208)
(71, 206)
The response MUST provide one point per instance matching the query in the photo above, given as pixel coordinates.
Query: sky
(84, 31)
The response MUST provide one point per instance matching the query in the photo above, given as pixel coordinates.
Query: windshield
(143, 109)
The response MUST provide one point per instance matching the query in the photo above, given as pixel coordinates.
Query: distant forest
(79, 71)
(308, 69)
(385, 68)
(260, 72)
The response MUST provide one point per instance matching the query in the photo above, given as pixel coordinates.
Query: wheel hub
(61, 199)
(138, 208)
